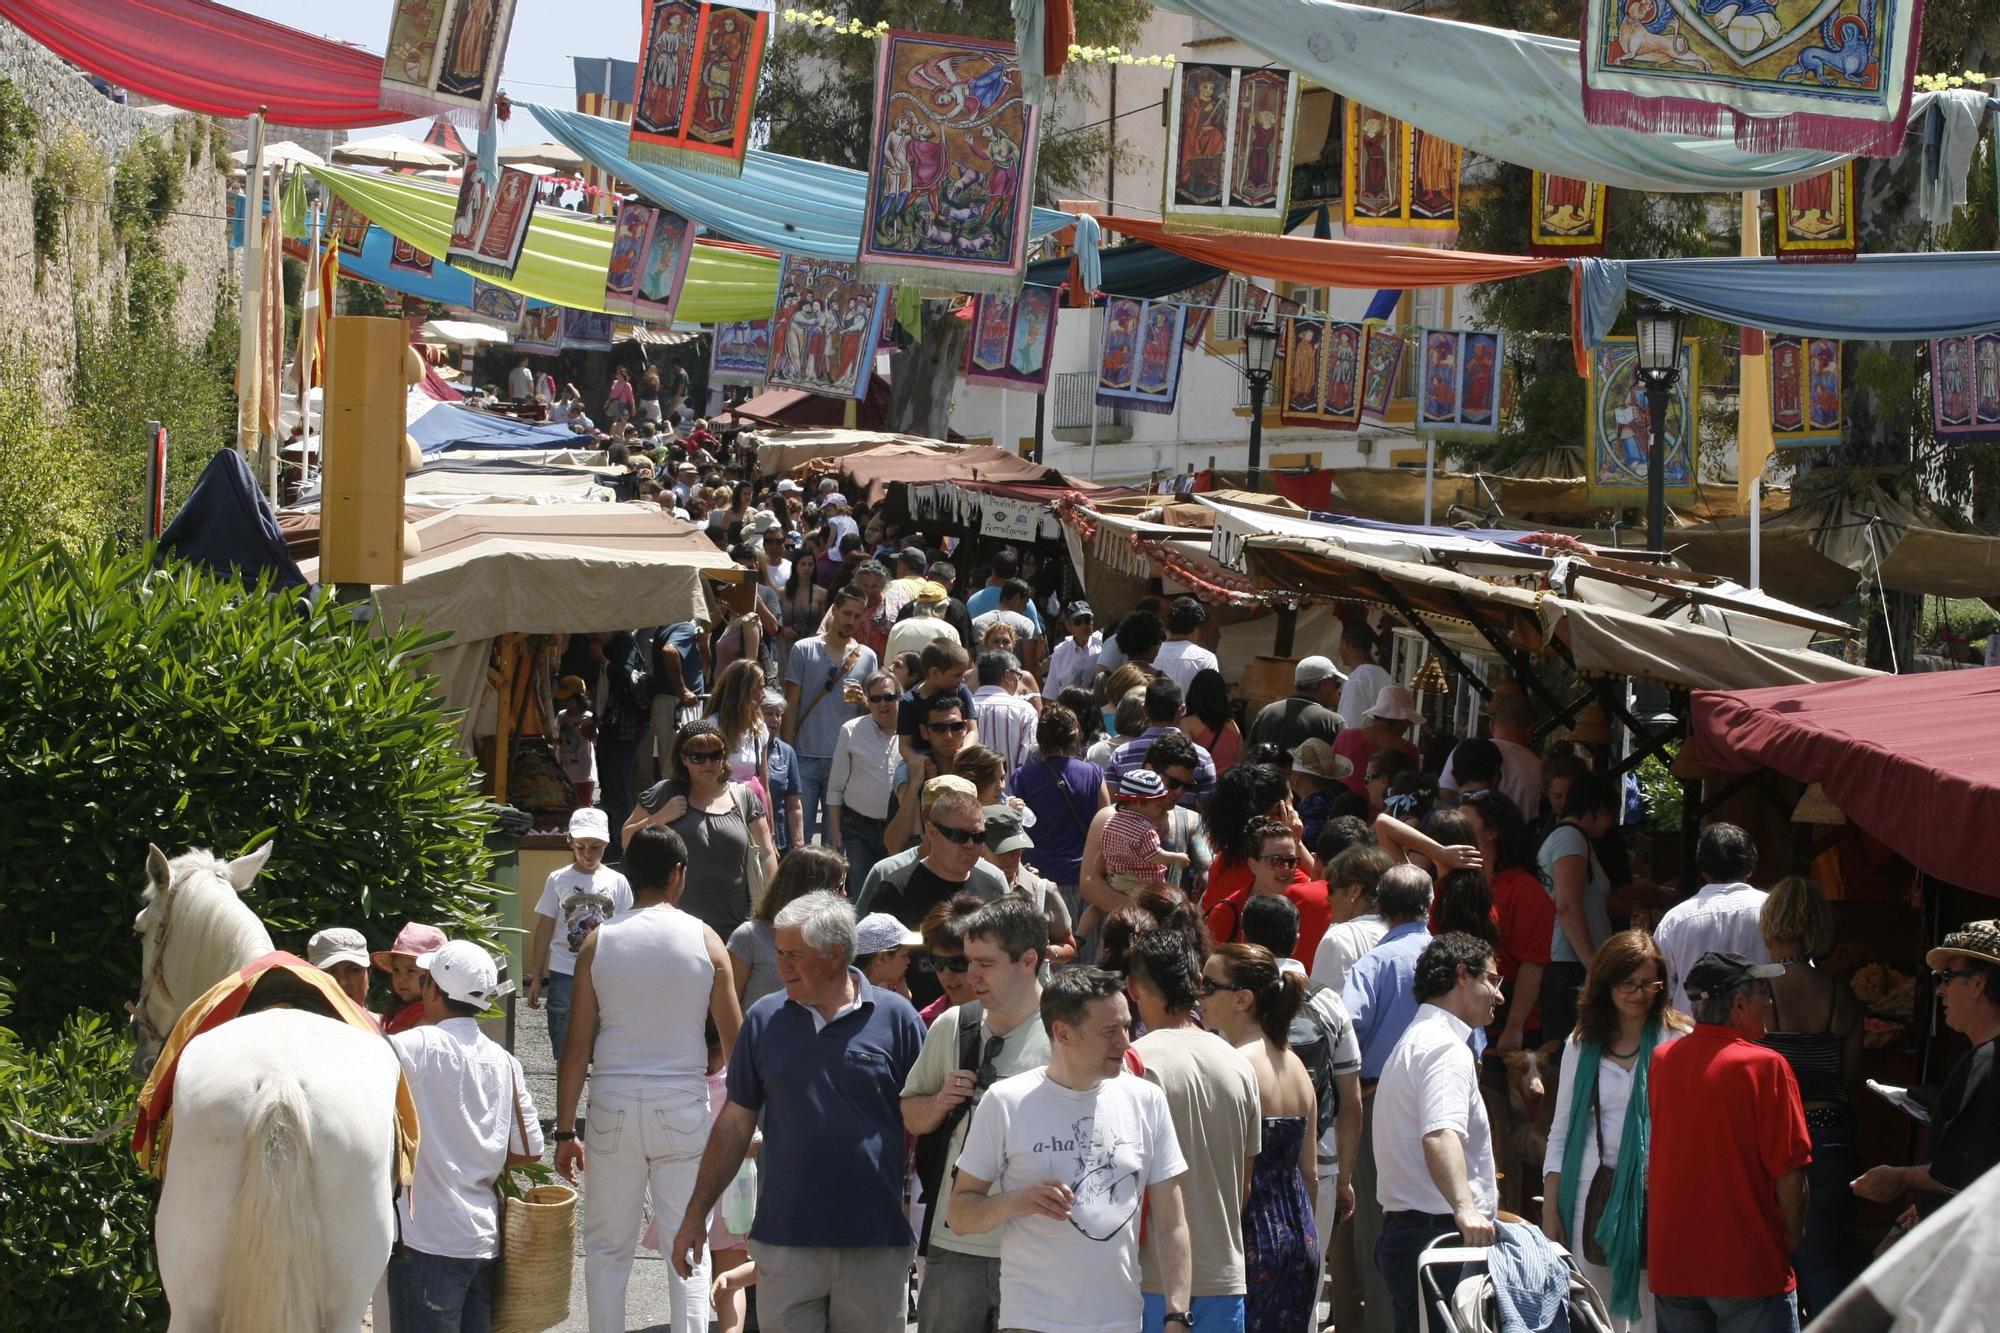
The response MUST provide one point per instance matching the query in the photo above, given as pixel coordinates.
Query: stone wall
(42, 302)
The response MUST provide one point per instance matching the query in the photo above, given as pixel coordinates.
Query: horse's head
(181, 895)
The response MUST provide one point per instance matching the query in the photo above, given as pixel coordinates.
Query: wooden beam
(503, 717)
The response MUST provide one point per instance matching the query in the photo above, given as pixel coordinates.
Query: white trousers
(640, 1138)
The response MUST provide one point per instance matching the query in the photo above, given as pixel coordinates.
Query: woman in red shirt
(1241, 795)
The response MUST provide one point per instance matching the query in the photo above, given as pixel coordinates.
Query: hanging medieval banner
(650, 249)
(1382, 363)
(1012, 338)
(1459, 382)
(1805, 390)
(1566, 218)
(1323, 365)
(541, 330)
(1620, 426)
(950, 184)
(445, 54)
(587, 330)
(698, 67)
(1832, 77)
(825, 327)
(349, 227)
(1229, 147)
(1965, 388)
(1815, 218)
(1139, 366)
(1402, 183)
(741, 353)
(490, 227)
(498, 305)
(404, 256)
(1201, 303)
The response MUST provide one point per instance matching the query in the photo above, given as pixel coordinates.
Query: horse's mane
(213, 932)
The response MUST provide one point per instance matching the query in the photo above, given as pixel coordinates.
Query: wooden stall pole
(503, 717)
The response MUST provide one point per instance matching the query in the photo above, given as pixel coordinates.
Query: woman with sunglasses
(862, 779)
(730, 852)
(1274, 869)
(1251, 1004)
(1602, 1122)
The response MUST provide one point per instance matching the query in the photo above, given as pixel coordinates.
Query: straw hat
(1977, 940)
(1316, 757)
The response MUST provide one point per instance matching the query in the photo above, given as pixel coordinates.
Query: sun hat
(464, 972)
(1315, 756)
(1977, 940)
(336, 944)
(1313, 670)
(590, 822)
(1717, 973)
(927, 591)
(1394, 704)
(878, 931)
(788, 486)
(761, 522)
(1139, 784)
(833, 500)
(1004, 830)
(412, 941)
(938, 786)
(569, 687)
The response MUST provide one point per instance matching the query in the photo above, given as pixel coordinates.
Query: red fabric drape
(211, 59)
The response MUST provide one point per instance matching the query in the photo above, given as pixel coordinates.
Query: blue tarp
(227, 526)
(447, 426)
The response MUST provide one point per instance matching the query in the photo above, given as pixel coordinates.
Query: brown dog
(1521, 1120)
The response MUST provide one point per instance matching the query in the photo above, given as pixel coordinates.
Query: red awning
(1914, 760)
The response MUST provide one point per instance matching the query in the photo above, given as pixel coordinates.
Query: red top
(1526, 915)
(1357, 749)
(1225, 919)
(1726, 1125)
(1227, 877)
(409, 1016)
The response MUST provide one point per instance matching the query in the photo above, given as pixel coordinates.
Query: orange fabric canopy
(1318, 263)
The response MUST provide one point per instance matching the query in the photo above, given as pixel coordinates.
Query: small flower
(1954, 81)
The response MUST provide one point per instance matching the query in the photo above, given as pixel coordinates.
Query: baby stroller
(1466, 1304)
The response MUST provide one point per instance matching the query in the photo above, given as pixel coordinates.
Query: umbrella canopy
(391, 150)
(551, 155)
(284, 151)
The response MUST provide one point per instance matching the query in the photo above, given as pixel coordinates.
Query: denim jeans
(1212, 1314)
(614, 783)
(960, 1293)
(432, 1293)
(555, 999)
(641, 1137)
(1820, 1261)
(861, 840)
(1403, 1239)
(1725, 1314)
(814, 770)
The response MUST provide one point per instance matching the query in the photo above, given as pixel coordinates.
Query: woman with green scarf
(1602, 1125)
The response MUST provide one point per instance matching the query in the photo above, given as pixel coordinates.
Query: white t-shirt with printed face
(578, 904)
(1108, 1145)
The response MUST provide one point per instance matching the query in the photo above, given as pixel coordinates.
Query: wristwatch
(1182, 1317)
(562, 1136)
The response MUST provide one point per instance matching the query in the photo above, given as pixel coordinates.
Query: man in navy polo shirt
(824, 1063)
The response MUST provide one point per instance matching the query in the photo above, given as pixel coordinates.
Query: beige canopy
(782, 451)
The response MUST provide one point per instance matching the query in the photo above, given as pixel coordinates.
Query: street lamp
(1260, 346)
(1659, 348)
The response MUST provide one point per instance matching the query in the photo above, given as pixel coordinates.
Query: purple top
(1061, 818)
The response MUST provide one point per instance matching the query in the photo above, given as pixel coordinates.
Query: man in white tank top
(645, 983)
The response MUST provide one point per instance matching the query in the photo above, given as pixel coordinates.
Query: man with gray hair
(823, 1063)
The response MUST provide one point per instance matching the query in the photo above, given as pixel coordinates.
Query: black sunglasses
(1173, 784)
(1210, 986)
(702, 756)
(881, 698)
(947, 728)
(954, 963)
(961, 836)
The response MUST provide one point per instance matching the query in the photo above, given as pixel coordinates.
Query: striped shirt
(1006, 723)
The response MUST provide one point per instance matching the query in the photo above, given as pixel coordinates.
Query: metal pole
(1258, 383)
(250, 328)
(1756, 533)
(1658, 393)
(1430, 475)
(1041, 417)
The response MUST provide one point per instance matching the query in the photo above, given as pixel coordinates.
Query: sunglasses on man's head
(961, 836)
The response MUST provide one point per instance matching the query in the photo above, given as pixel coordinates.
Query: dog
(1521, 1111)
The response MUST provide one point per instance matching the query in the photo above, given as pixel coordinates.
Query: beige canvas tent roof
(782, 451)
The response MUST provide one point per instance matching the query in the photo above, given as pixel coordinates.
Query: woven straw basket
(537, 1240)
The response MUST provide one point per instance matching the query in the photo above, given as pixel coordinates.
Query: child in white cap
(342, 953)
(580, 897)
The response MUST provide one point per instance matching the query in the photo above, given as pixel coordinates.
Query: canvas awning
(782, 451)
(1913, 760)
(464, 332)
(868, 474)
(1396, 495)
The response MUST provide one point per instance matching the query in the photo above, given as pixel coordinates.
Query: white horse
(278, 1211)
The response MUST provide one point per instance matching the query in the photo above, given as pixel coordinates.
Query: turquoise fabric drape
(787, 203)
(1513, 96)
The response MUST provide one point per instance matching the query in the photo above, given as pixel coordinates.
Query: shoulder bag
(1599, 1197)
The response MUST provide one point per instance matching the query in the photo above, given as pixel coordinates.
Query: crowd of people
(995, 955)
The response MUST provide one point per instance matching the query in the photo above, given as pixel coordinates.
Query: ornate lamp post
(1260, 347)
(1659, 348)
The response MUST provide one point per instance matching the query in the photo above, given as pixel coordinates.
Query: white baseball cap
(464, 972)
(590, 822)
(336, 944)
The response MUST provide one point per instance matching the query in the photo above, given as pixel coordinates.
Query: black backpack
(1312, 1041)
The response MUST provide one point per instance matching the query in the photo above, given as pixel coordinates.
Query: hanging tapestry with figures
(1201, 303)
(541, 330)
(650, 249)
(1815, 218)
(951, 167)
(409, 259)
(1805, 390)
(498, 305)
(1139, 365)
(586, 330)
(1382, 363)
(1459, 390)
(698, 68)
(740, 353)
(445, 54)
(1322, 379)
(1620, 426)
(1012, 338)
(1965, 388)
(1229, 147)
(1566, 220)
(1831, 76)
(490, 226)
(349, 226)
(825, 327)
(1402, 182)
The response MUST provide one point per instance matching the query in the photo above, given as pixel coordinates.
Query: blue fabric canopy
(227, 526)
(445, 284)
(447, 426)
(1883, 298)
(1513, 96)
(786, 203)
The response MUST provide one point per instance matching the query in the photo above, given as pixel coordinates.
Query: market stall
(780, 452)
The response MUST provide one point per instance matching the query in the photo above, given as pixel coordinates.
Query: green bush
(76, 1234)
(172, 707)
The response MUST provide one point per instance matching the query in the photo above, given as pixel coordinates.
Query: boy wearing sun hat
(399, 960)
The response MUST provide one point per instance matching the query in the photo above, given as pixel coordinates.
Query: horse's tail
(274, 1283)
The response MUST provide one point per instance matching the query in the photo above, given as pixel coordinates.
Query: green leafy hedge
(172, 707)
(76, 1232)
